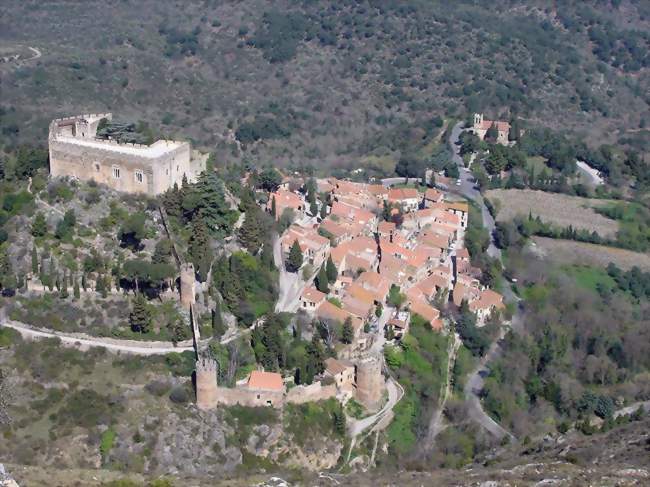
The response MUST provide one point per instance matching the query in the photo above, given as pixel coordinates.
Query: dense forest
(330, 84)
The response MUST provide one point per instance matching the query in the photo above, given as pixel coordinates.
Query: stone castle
(367, 386)
(75, 151)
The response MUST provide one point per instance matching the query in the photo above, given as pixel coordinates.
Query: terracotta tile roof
(375, 283)
(285, 199)
(464, 292)
(425, 310)
(334, 366)
(377, 189)
(458, 206)
(357, 307)
(433, 194)
(386, 227)
(312, 294)
(267, 381)
(401, 194)
(328, 311)
(462, 254)
(359, 292)
(434, 240)
(448, 218)
(488, 299)
(336, 229)
(501, 126)
(431, 284)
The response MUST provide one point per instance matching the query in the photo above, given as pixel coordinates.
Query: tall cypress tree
(321, 281)
(332, 273)
(294, 261)
(199, 250)
(34, 261)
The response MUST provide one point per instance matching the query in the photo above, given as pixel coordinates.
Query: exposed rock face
(6, 480)
(194, 446)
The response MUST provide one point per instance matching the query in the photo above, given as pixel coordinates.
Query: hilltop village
(264, 290)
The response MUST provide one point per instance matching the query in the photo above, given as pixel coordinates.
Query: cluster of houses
(421, 252)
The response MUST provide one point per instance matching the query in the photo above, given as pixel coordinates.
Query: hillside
(327, 82)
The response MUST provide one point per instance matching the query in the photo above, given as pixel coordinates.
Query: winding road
(475, 380)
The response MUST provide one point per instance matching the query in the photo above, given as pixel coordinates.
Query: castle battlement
(206, 365)
(76, 152)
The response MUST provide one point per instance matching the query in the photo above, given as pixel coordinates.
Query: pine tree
(313, 208)
(34, 261)
(76, 290)
(39, 225)
(321, 281)
(84, 282)
(274, 210)
(140, 316)
(294, 261)
(323, 211)
(8, 282)
(347, 334)
(332, 273)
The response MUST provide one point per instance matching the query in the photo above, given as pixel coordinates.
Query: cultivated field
(560, 209)
(581, 253)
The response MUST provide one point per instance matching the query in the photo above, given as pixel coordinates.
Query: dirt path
(435, 424)
(84, 342)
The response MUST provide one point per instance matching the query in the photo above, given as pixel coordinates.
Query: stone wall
(137, 173)
(244, 396)
(311, 393)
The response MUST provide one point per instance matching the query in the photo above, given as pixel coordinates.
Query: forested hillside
(330, 82)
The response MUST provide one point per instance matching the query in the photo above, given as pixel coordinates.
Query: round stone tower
(370, 382)
(206, 383)
(188, 291)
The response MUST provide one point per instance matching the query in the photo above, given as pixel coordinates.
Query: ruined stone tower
(370, 382)
(206, 383)
(188, 291)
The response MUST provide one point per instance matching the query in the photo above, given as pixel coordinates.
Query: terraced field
(560, 209)
(572, 252)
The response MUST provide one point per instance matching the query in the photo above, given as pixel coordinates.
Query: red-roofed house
(283, 200)
(408, 198)
(487, 302)
(311, 298)
(376, 284)
(432, 196)
(267, 387)
(315, 248)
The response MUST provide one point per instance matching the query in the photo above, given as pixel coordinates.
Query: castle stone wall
(311, 393)
(131, 168)
(188, 285)
(244, 396)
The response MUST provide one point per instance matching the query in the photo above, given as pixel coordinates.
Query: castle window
(139, 177)
(116, 172)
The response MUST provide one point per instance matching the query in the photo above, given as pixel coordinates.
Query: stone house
(481, 126)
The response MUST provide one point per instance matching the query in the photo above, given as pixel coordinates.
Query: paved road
(468, 190)
(475, 381)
